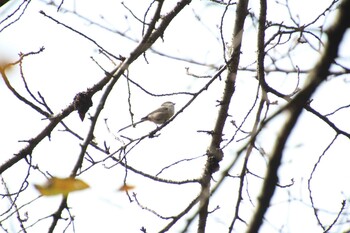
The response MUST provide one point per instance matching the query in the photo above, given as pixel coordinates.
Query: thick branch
(117, 72)
(214, 152)
(318, 74)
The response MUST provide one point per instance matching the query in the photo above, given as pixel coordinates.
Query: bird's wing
(159, 117)
(161, 109)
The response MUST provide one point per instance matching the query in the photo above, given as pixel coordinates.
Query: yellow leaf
(126, 187)
(55, 186)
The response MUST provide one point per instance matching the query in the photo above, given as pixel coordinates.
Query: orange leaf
(55, 186)
(126, 187)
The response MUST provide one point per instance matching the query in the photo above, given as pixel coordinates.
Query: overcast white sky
(65, 68)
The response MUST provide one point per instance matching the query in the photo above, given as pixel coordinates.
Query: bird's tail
(142, 120)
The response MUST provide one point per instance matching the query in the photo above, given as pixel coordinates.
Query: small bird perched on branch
(158, 116)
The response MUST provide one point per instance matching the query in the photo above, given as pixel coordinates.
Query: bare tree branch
(214, 152)
(319, 73)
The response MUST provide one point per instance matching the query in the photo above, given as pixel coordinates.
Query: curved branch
(295, 107)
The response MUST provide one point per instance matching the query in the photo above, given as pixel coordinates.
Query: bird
(158, 116)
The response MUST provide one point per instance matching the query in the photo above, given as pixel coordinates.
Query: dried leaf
(126, 187)
(55, 186)
(82, 103)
